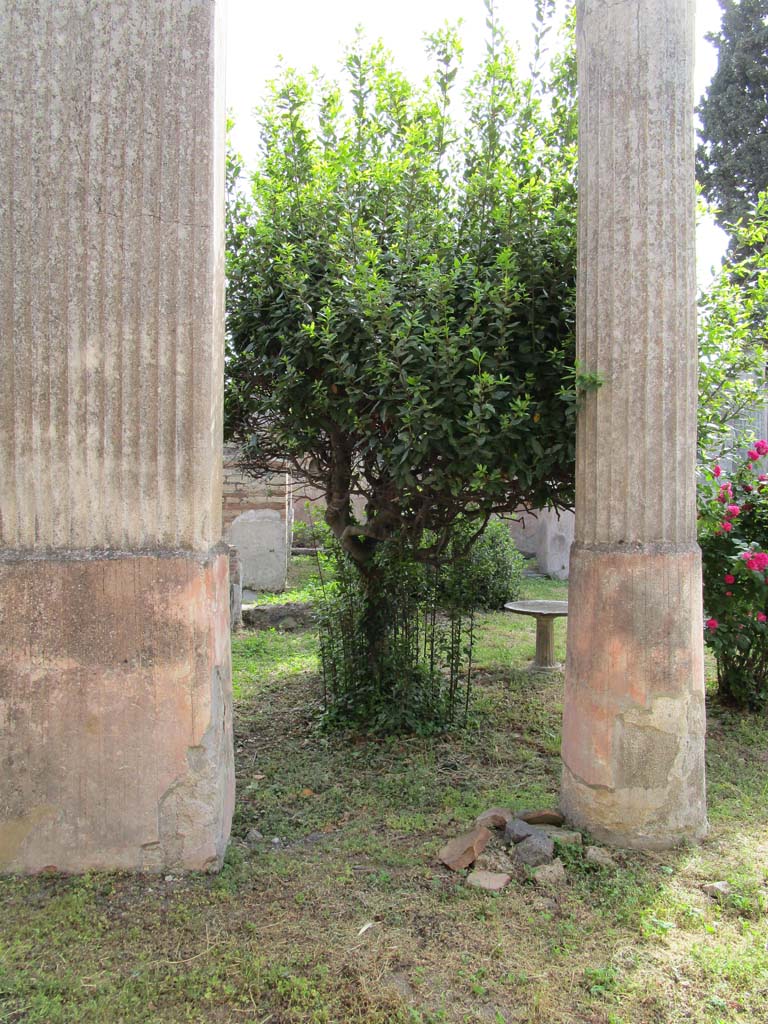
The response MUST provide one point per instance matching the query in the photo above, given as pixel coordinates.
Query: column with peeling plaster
(633, 727)
(115, 690)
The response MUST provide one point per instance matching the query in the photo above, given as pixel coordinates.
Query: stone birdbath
(545, 613)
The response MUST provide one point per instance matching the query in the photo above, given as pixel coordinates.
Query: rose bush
(733, 533)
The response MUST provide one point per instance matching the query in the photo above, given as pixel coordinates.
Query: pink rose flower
(762, 617)
(717, 471)
(729, 593)
(712, 625)
(752, 454)
(761, 447)
(732, 511)
(726, 526)
(730, 578)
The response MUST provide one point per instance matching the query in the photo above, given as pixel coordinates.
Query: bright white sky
(315, 32)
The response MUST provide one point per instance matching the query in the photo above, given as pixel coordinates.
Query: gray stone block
(535, 850)
(261, 538)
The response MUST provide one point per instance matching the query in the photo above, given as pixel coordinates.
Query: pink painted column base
(115, 712)
(633, 734)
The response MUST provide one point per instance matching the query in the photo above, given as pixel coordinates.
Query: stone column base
(115, 711)
(633, 716)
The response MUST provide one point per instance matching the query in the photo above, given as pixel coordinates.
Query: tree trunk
(377, 615)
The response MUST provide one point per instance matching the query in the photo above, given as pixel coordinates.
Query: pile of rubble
(505, 844)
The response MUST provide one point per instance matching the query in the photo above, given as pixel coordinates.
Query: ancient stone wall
(240, 492)
(546, 536)
(258, 522)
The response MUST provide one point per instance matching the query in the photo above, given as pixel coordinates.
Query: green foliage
(315, 534)
(733, 338)
(400, 329)
(401, 292)
(492, 570)
(732, 160)
(236, 206)
(396, 643)
(733, 534)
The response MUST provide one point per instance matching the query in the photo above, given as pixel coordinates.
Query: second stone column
(633, 733)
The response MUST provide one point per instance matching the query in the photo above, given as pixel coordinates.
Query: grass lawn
(302, 584)
(349, 918)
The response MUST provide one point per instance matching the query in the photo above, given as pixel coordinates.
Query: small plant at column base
(394, 657)
(396, 642)
(733, 533)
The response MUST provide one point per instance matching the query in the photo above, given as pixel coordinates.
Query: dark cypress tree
(732, 160)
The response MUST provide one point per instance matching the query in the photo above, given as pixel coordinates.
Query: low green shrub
(314, 534)
(396, 641)
(393, 660)
(492, 573)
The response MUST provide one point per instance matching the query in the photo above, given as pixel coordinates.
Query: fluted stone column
(633, 735)
(115, 693)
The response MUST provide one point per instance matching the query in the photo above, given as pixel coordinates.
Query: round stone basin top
(547, 609)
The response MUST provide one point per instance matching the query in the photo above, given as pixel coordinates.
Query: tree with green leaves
(401, 291)
(732, 160)
(401, 296)
(733, 340)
